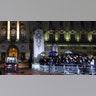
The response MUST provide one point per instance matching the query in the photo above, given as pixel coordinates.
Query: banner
(38, 40)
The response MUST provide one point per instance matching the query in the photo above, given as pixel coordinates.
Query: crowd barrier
(68, 69)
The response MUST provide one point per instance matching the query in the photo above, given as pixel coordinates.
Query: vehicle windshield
(11, 60)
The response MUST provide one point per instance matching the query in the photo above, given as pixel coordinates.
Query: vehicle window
(11, 60)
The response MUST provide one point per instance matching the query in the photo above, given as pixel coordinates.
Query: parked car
(11, 64)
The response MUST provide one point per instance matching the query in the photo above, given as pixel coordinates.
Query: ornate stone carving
(38, 36)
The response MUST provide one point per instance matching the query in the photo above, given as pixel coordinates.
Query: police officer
(50, 64)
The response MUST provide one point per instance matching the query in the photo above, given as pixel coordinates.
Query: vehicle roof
(10, 56)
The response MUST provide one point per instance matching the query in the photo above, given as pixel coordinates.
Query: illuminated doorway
(13, 51)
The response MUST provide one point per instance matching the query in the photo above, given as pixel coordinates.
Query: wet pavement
(26, 71)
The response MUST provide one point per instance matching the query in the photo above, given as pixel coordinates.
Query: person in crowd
(92, 66)
(50, 62)
(79, 60)
(95, 63)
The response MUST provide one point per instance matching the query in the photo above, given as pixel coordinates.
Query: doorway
(13, 51)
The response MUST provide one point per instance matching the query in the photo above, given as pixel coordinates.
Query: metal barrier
(68, 69)
(59, 69)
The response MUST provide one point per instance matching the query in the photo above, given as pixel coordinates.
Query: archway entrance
(13, 51)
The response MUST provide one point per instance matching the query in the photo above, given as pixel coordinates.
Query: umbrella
(43, 53)
(52, 52)
(68, 52)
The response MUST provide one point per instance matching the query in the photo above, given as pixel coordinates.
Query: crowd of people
(83, 62)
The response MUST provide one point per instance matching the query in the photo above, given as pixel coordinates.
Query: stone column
(8, 30)
(17, 35)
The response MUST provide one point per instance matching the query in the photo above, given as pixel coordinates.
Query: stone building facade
(16, 37)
